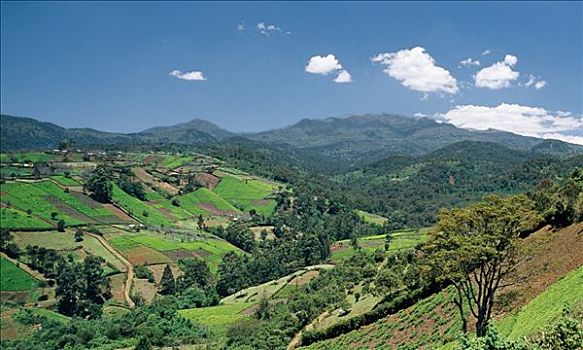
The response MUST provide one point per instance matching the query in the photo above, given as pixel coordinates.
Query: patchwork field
(405, 239)
(204, 201)
(65, 242)
(218, 318)
(139, 209)
(17, 219)
(13, 278)
(154, 249)
(247, 194)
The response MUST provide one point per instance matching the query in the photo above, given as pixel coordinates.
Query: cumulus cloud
(416, 70)
(470, 62)
(499, 75)
(486, 52)
(540, 84)
(240, 27)
(534, 82)
(191, 76)
(523, 120)
(323, 65)
(268, 29)
(343, 77)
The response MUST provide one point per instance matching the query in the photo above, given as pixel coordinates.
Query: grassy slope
(138, 209)
(13, 278)
(26, 196)
(65, 241)
(17, 219)
(545, 308)
(245, 194)
(217, 318)
(191, 200)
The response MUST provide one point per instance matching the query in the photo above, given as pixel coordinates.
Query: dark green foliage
(78, 236)
(195, 273)
(142, 271)
(61, 225)
(99, 183)
(167, 282)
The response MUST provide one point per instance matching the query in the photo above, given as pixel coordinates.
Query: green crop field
(405, 239)
(65, 181)
(545, 308)
(26, 157)
(174, 161)
(16, 219)
(139, 209)
(166, 205)
(247, 194)
(27, 196)
(371, 218)
(57, 192)
(217, 318)
(193, 200)
(215, 248)
(65, 241)
(13, 278)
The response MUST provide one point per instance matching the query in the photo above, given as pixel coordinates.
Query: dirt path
(130, 267)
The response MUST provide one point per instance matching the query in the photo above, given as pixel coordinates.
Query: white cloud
(268, 29)
(540, 84)
(486, 52)
(499, 75)
(191, 76)
(416, 70)
(343, 77)
(323, 65)
(470, 62)
(240, 27)
(523, 120)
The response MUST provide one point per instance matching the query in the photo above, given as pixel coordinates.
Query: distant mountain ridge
(354, 140)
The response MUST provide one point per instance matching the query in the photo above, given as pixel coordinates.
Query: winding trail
(130, 274)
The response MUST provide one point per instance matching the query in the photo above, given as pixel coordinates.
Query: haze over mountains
(351, 139)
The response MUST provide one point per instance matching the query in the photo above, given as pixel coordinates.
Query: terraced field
(247, 194)
(13, 278)
(405, 239)
(218, 318)
(138, 209)
(154, 249)
(65, 242)
(204, 201)
(18, 220)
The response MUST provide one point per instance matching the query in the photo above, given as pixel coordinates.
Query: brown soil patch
(9, 328)
(145, 256)
(158, 269)
(261, 202)
(145, 176)
(210, 181)
(117, 282)
(119, 213)
(88, 201)
(304, 278)
(258, 229)
(548, 256)
(212, 209)
(185, 254)
(147, 290)
(69, 211)
(250, 310)
(16, 296)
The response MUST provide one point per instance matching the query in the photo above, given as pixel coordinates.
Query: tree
(5, 238)
(61, 225)
(99, 183)
(474, 248)
(200, 222)
(167, 283)
(196, 272)
(78, 236)
(388, 241)
(69, 288)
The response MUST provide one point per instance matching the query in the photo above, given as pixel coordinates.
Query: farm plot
(18, 220)
(151, 248)
(28, 197)
(139, 209)
(26, 157)
(405, 239)
(65, 242)
(65, 181)
(247, 194)
(203, 201)
(13, 278)
(218, 318)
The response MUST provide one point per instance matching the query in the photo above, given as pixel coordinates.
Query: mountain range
(354, 140)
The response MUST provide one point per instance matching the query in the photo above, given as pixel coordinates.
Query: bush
(143, 272)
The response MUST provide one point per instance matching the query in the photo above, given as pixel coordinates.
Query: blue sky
(109, 65)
